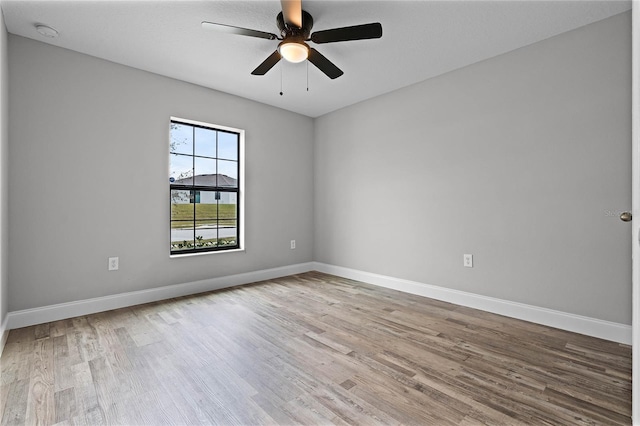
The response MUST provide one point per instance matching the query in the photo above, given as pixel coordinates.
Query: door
(635, 202)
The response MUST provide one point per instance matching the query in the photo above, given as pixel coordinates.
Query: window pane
(207, 208)
(228, 173)
(181, 208)
(227, 235)
(205, 171)
(180, 169)
(228, 227)
(207, 220)
(205, 142)
(228, 146)
(206, 234)
(182, 238)
(181, 140)
(229, 198)
(228, 209)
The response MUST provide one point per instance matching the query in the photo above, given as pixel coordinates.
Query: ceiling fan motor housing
(292, 32)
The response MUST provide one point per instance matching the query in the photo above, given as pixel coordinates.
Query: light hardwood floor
(309, 349)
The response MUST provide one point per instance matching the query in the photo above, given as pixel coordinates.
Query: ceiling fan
(295, 30)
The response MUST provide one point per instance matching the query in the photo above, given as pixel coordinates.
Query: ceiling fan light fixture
(293, 51)
(293, 35)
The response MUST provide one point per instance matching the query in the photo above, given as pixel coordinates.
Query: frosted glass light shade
(294, 52)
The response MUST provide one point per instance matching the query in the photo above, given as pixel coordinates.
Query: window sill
(206, 253)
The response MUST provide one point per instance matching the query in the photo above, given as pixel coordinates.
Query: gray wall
(517, 160)
(4, 191)
(522, 160)
(88, 178)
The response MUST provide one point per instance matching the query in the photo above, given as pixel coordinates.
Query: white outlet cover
(468, 260)
(113, 263)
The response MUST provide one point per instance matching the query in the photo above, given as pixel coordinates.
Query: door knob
(625, 216)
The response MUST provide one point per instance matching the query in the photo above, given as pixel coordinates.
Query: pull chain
(281, 79)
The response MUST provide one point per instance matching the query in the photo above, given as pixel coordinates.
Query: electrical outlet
(113, 263)
(293, 244)
(468, 260)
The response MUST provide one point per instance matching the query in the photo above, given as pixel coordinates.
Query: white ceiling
(421, 39)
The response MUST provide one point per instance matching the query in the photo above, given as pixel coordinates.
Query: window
(204, 186)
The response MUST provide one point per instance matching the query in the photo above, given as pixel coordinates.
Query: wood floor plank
(40, 403)
(15, 409)
(62, 377)
(65, 405)
(309, 349)
(85, 392)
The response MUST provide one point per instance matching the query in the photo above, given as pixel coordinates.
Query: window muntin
(204, 179)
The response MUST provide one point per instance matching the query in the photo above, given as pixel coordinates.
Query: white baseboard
(576, 323)
(28, 317)
(616, 332)
(4, 332)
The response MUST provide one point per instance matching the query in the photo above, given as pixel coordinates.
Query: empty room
(319, 212)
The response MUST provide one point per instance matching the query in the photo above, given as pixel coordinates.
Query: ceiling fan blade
(357, 32)
(323, 64)
(292, 11)
(268, 63)
(229, 29)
